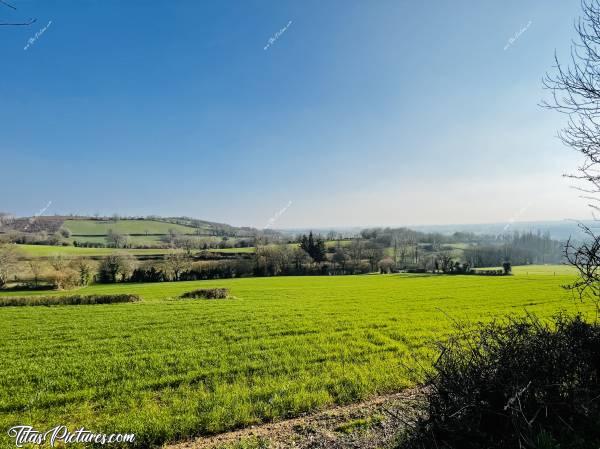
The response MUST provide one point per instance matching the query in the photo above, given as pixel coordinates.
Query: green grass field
(30, 251)
(101, 227)
(169, 369)
(33, 251)
(140, 233)
(150, 241)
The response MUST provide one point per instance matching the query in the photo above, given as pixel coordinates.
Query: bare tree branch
(8, 4)
(3, 2)
(19, 24)
(575, 91)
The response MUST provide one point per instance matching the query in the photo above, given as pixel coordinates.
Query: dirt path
(375, 423)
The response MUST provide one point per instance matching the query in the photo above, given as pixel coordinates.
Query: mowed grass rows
(167, 369)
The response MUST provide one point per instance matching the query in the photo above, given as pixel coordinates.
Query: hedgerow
(207, 293)
(7, 301)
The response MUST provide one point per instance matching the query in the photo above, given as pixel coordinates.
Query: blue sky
(360, 113)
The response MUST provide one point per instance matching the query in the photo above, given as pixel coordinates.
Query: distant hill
(559, 230)
(143, 231)
(32, 224)
(130, 227)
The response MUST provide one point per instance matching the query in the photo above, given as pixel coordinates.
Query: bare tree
(373, 252)
(356, 251)
(116, 239)
(575, 92)
(444, 261)
(177, 263)
(58, 262)
(8, 262)
(35, 266)
(188, 244)
(340, 258)
(6, 218)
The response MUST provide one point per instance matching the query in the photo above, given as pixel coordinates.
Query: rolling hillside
(149, 232)
(91, 228)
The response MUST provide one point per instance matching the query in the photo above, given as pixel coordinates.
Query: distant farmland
(29, 251)
(168, 369)
(140, 232)
(130, 227)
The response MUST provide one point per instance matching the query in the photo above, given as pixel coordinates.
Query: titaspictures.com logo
(60, 434)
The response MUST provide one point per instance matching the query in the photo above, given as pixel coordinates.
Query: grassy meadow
(167, 369)
(34, 251)
(141, 233)
(101, 227)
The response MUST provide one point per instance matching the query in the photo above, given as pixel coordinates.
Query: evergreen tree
(314, 248)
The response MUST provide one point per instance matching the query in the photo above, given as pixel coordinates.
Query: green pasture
(101, 227)
(33, 251)
(168, 369)
(135, 240)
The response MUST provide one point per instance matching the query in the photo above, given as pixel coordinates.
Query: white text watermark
(275, 217)
(277, 35)
(517, 35)
(37, 35)
(61, 435)
(33, 219)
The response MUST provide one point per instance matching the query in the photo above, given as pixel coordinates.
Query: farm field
(101, 227)
(150, 241)
(141, 233)
(32, 251)
(167, 369)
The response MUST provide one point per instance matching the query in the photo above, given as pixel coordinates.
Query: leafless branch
(18, 23)
(5, 3)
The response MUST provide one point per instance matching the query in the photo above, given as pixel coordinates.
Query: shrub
(64, 279)
(6, 301)
(207, 293)
(522, 384)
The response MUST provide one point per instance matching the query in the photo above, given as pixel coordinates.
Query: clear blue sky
(360, 113)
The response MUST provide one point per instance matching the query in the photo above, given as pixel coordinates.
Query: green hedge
(207, 293)
(7, 301)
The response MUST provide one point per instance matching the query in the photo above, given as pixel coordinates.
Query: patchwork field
(167, 369)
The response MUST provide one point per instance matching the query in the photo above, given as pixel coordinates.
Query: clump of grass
(207, 293)
(9, 301)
